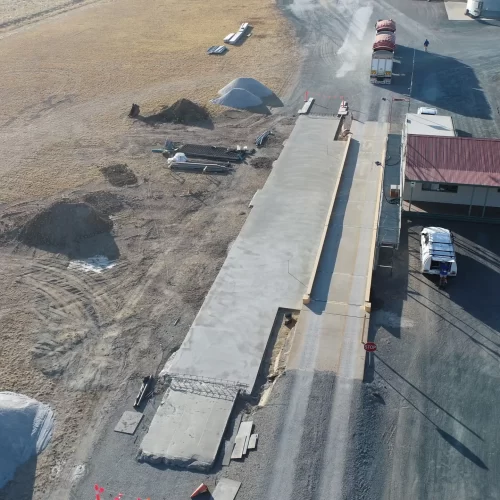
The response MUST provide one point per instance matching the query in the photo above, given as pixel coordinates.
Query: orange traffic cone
(201, 489)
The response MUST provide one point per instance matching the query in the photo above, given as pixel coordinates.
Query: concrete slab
(187, 430)
(265, 269)
(239, 445)
(226, 489)
(252, 444)
(129, 422)
(269, 261)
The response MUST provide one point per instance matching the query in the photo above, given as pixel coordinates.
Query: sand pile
(250, 85)
(268, 97)
(26, 427)
(182, 111)
(239, 99)
(63, 224)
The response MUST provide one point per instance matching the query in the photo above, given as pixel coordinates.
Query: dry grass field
(68, 81)
(73, 339)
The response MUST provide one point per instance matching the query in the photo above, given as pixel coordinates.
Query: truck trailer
(384, 47)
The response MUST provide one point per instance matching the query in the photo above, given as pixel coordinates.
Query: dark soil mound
(119, 175)
(263, 162)
(182, 111)
(105, 202)
(63, 224)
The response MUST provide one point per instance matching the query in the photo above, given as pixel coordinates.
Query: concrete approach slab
(187, 430)
(268, 267)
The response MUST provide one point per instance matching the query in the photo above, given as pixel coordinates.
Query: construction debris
(217, 49)
(262, 138)
(237, 37)
(213, 152)
(201, 167)
(146, 384)
(239, 444)
(252, 444)
(344, 109)
(134, 111)
(307, 106)
(226, 489)
(129, 422)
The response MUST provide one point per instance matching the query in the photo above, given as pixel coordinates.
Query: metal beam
(471, 199)
(485, 200)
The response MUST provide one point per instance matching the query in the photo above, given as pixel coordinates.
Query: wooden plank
(252, 444)
(226, 489)
(245, 446)
(229, 446)
(228, 449)
(239, 443)
(245, 429)
(306, 107)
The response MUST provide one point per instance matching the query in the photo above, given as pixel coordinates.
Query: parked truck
(384, 47)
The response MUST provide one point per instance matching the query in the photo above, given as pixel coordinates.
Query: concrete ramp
(268, 267)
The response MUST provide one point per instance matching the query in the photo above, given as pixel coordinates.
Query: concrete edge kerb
(368, 306)
(307, 297)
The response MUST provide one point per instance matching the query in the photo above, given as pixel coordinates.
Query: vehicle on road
(383, 50)
(427, 111)
(437, 252)
(474, 8)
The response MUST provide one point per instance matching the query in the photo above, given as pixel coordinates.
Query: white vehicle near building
(427, 111)
(436, 247)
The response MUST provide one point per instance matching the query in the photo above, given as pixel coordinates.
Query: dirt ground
(71, 338)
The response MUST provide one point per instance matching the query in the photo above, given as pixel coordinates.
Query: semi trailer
(383, 50)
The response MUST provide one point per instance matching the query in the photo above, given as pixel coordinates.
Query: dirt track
(74, 339)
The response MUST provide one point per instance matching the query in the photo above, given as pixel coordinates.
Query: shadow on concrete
(22, 484)
(326, 266)
(461, 448)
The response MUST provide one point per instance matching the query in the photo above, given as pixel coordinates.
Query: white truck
(383, 52)
(436, 247)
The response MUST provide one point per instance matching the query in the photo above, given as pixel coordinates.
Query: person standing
(426, 44)
(443, 274)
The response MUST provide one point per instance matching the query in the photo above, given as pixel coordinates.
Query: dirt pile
(182, 111)
(119, 175)
(263, 162)
(63, 224)
(105, 202)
